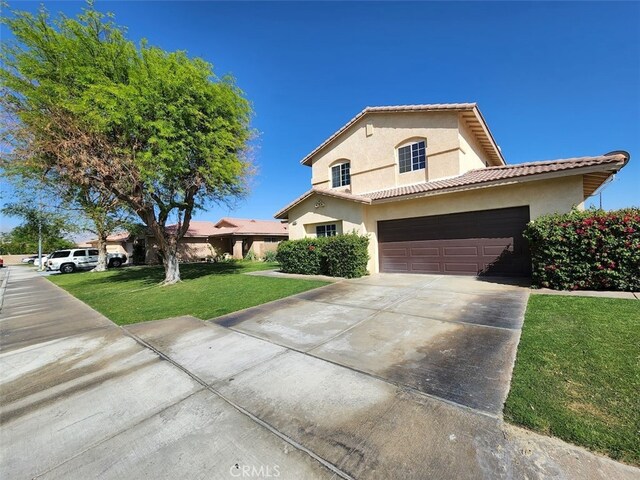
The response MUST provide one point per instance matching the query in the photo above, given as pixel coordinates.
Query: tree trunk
(171, 265)
(102, 253)
(167, 244)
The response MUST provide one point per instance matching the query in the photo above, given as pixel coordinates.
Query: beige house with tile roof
(121, 242)
(233, 236)
(207, 240)
(431, 188)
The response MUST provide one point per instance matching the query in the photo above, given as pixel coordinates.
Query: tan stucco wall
(303, 218)
(373, 158)
(116, 247)
(260, 247)
(471, 153)
(221, 245)
(16, 259)
(189, 250)
(542, 197)
(194, 249)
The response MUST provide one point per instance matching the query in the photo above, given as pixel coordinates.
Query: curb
(3, 288)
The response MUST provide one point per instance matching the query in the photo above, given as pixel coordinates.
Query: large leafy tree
(87, 209)
(53, 227)
(155, 129)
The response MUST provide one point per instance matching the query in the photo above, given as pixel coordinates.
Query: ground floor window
(271, 239)
(326, 230)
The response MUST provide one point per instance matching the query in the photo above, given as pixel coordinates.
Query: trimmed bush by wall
(339, 256)
(589, 250)
(346, 255)
(302, 256)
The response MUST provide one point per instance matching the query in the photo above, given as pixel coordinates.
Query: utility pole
(40, 266)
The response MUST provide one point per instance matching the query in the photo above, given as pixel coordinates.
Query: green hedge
(339, 256)
(589, 250)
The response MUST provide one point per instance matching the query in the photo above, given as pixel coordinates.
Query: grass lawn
(577, 373)
(132, 294)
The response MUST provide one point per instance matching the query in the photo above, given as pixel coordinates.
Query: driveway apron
(183, 398)
(80, 398)
(451, 337)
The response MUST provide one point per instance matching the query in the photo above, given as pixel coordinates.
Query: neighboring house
(117, 243)
(234, 236)
(207, 240)
(431, 187)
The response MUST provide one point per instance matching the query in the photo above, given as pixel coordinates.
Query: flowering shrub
(301, 256)
(589, 250)
(339, 256)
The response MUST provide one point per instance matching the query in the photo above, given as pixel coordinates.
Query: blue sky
(553, 80)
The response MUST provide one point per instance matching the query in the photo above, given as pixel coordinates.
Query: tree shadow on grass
(153, 275)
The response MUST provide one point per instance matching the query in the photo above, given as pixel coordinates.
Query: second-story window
(341, 175)
(412, 157)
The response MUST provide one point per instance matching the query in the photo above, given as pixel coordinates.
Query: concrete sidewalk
(587, 293)
(82, 399)
(182, 398)
(362, 425)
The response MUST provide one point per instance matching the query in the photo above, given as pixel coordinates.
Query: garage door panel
(397, 267)
(493, 250)
(397, 252)
(425, 267)
(425, 252)
(460, 251)
(461, 268)
(486, 242)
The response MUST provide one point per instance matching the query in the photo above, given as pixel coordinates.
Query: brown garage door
(487, 242)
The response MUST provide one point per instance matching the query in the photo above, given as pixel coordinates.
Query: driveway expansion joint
(398, 385)
(245, 412)
(115, 434)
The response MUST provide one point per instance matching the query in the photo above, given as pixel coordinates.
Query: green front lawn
(132, 294)
(577, 373)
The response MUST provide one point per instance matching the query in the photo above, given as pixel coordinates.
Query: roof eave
(487, 130)
(458, 107)
(282, 214)
(612, 168)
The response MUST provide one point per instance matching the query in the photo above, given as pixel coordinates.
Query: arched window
(412, 156)
(341, 174)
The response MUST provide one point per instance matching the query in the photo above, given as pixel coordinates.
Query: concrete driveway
(255, 397)
(451, 337)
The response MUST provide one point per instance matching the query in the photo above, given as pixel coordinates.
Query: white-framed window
(326, 230)
(412, 157)
(341, 175)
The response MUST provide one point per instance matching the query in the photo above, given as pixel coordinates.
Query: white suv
(68, 261)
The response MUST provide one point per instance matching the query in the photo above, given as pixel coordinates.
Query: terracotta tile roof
(326, 193)
(495, 174)
(611, 162)
(237, 226)
(473, 115)
(118, 237)
(197, 229)
(264, 227)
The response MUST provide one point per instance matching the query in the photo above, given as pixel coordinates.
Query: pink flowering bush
(589, 250)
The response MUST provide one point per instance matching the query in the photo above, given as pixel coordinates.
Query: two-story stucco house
(430, 186)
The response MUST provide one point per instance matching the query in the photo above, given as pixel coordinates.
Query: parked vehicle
(30, 259)
(68, 261)
(36, 261)
(1, 262)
